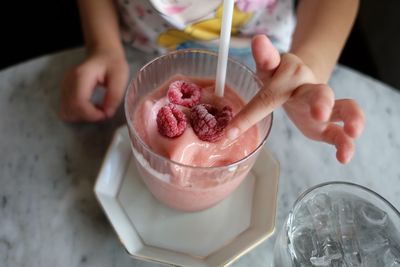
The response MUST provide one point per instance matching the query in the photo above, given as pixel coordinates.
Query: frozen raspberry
(184, 93)
(208, 122)
(171, 121)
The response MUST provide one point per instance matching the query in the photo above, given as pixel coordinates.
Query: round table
(48, 212)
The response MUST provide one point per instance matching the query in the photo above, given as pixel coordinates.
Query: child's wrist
(109, 47)
(316, 63)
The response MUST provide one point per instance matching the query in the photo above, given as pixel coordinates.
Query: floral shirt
(162, 25)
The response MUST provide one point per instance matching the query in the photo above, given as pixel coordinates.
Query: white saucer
(214, 237)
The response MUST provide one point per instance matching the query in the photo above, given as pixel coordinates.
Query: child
(296, 80)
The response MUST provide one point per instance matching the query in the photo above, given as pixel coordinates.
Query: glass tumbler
(209, 185)
(339, 224)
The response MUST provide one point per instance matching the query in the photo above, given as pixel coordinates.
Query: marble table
(48, 212)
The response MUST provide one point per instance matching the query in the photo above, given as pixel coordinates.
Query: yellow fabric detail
(205, 30)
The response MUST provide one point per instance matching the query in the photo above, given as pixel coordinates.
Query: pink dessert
(185, 125)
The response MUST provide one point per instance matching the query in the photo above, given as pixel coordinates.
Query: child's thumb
(265, 55)
(116, 81)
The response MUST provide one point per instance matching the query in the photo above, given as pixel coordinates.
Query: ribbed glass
(210, 183)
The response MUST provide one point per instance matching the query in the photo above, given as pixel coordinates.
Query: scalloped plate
(153, 232)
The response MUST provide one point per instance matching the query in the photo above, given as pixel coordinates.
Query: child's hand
(102, 67)
(311, 107)
(314, 111)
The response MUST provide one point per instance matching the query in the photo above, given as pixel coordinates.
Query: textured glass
(156, 170)
(339, 224)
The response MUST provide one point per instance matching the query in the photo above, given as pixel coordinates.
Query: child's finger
(335, 135)
(290, 75)
(116, 82)
(88, 112)
(259, 107)
(81, 111)
(78, 104)
(266, 56)
(348, 112)
(319, 98)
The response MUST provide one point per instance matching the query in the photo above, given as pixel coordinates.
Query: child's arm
(100, 25)
(321, 31)
(105, 64)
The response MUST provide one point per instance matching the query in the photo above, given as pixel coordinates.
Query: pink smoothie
(185, 187)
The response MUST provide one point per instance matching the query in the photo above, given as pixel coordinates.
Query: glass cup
(209, 185)
(339, 224)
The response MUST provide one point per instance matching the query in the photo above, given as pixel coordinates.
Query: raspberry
(208, 122)
(184, 93)
(171, 121)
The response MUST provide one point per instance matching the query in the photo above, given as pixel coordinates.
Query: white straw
(223, 51)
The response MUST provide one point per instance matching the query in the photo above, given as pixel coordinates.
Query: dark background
(36, 28)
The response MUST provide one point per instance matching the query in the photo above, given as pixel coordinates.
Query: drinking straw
(223, 50)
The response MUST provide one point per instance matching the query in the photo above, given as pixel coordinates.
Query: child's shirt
(162, 25)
